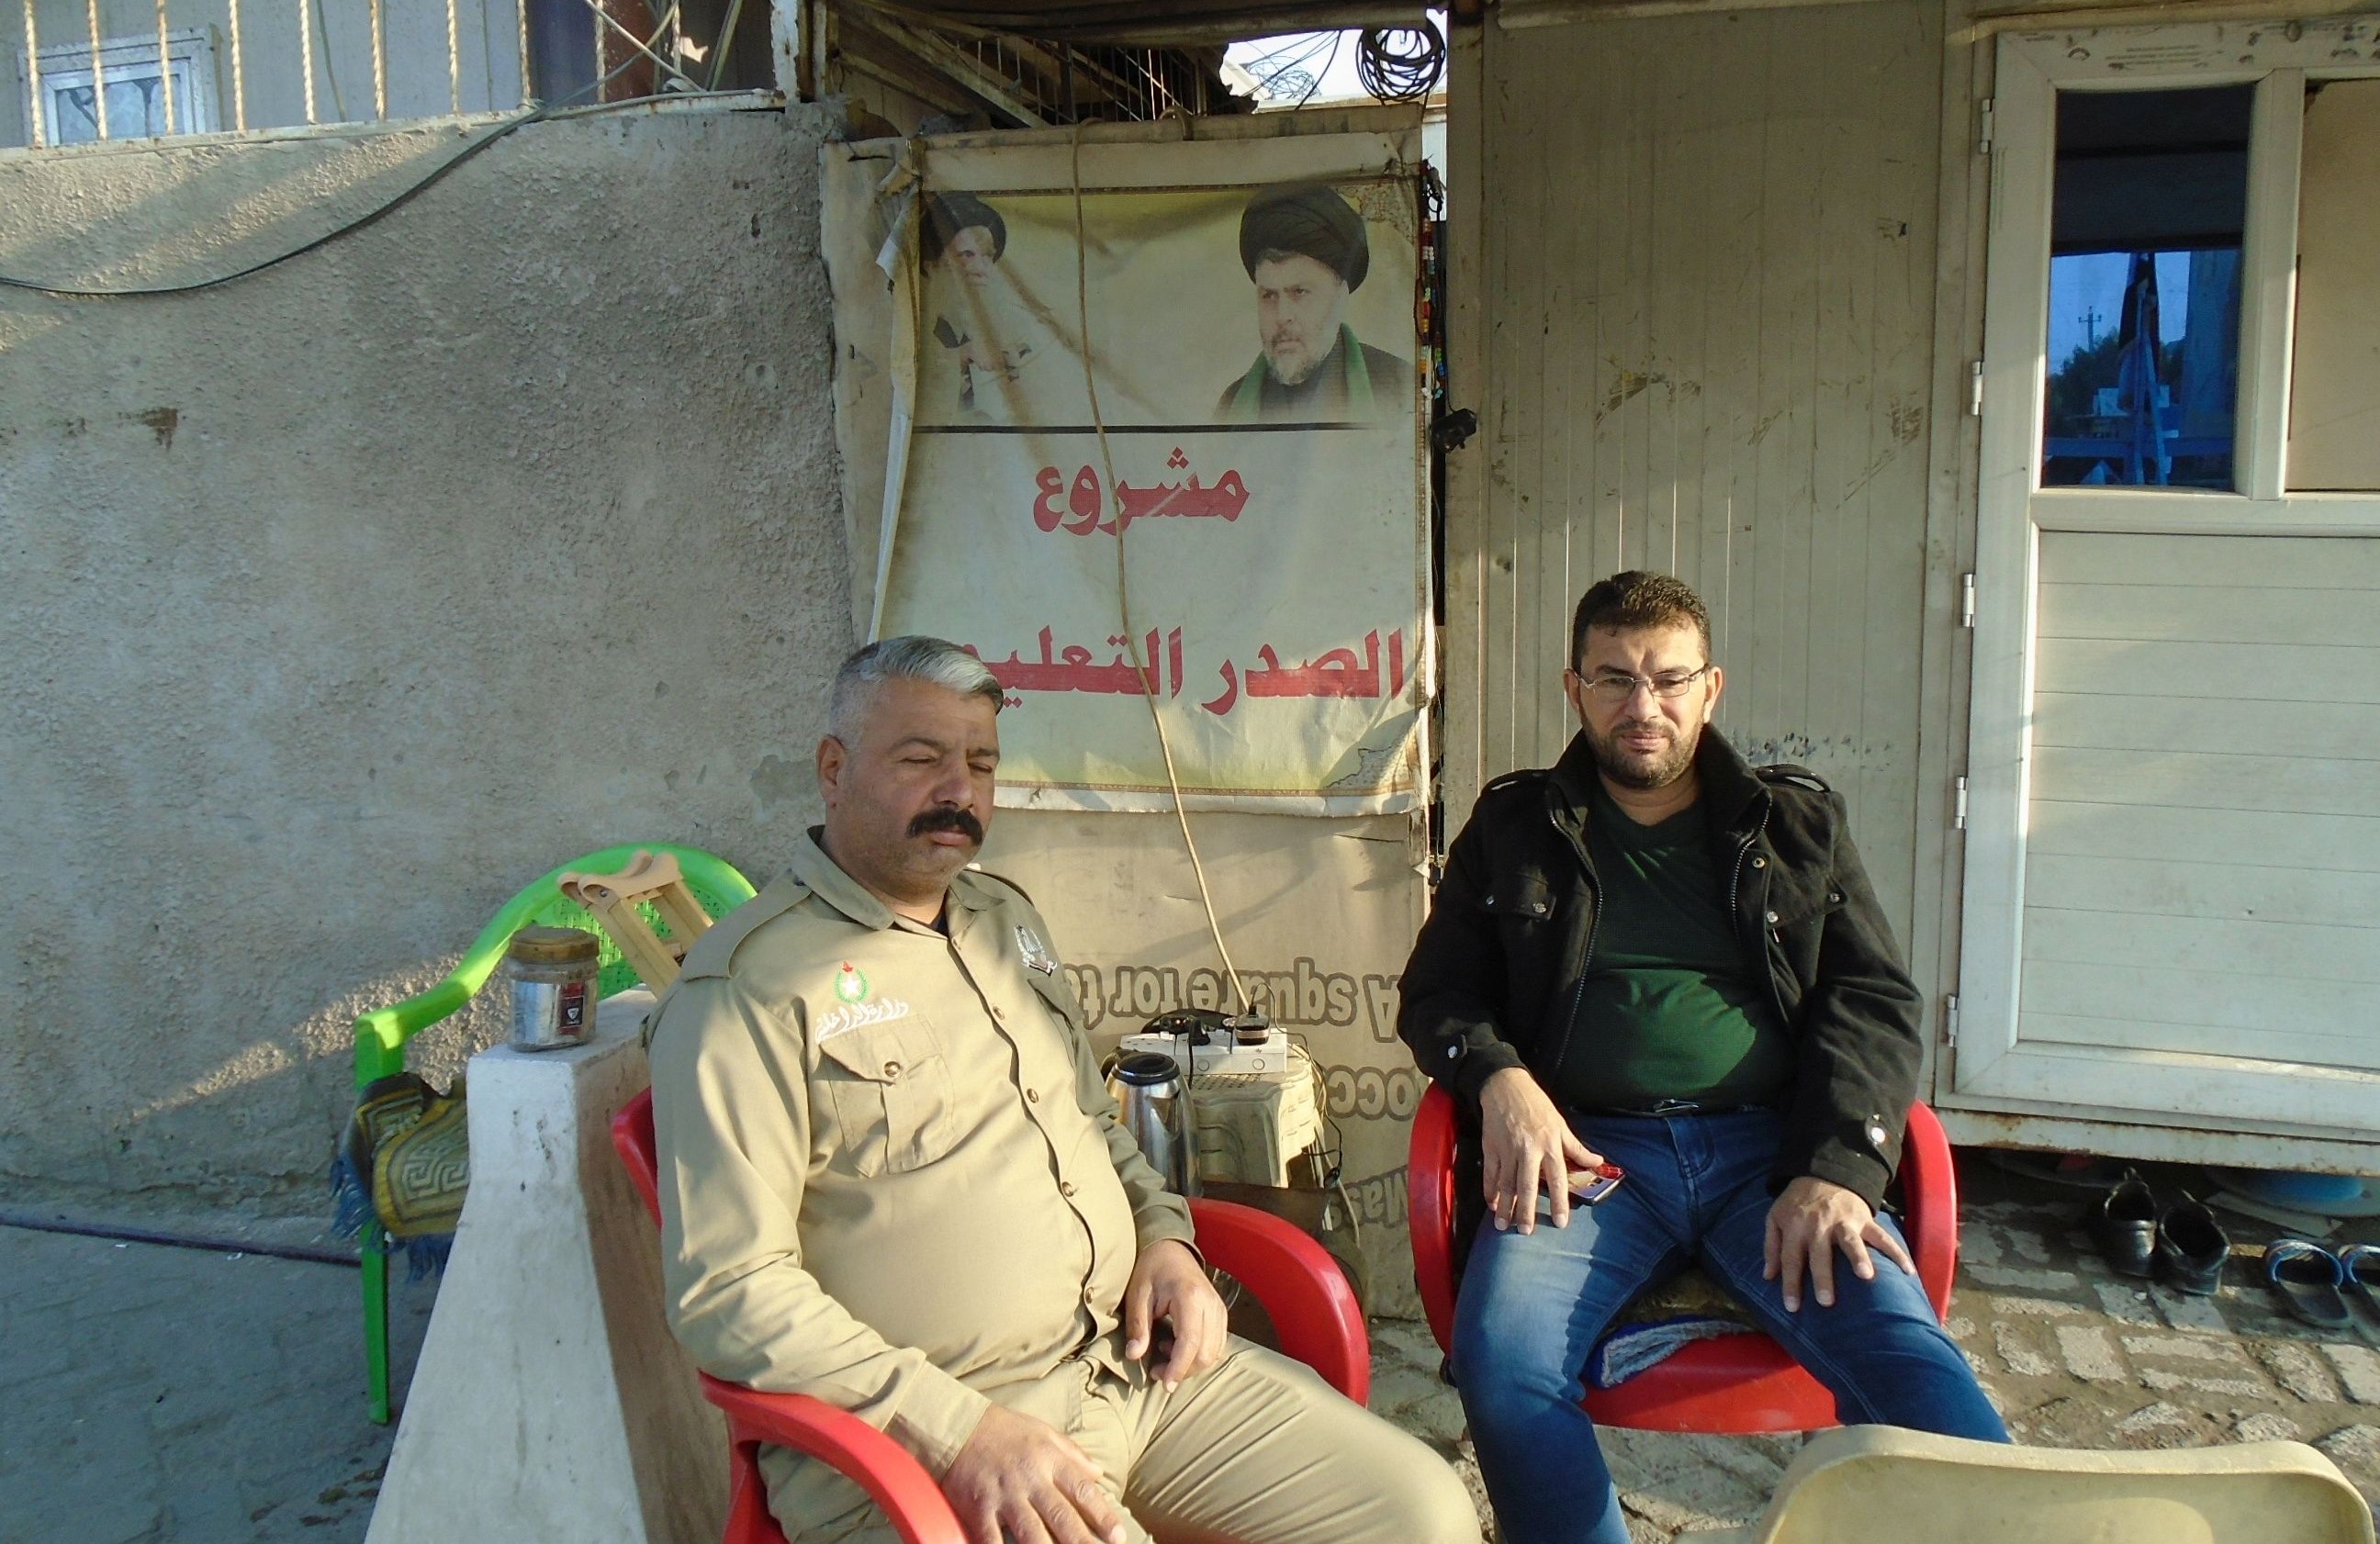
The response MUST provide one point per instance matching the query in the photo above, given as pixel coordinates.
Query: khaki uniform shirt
(892, 1175)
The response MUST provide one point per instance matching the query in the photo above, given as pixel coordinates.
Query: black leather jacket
(1494, 980)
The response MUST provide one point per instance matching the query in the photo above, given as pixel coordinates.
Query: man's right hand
(1023, 1475)
(1526, 1147)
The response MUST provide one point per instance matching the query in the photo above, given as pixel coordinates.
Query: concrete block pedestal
(549, 1401)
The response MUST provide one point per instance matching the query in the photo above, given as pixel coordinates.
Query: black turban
(1308, 218)
(948, 213)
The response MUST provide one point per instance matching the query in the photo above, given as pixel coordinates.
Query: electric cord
(567, 106)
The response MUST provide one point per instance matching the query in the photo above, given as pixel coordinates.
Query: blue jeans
(1532, 1306)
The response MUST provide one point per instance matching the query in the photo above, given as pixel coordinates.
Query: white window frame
(189, 54)
(2278, 58)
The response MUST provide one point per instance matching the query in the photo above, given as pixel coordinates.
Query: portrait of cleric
(1306, 251)
(984, 337)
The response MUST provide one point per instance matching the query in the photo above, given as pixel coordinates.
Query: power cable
(1401, 64)
(560, 106)
(1324, 72)
(1280, 73)
(122, 1233)
(1293, 55)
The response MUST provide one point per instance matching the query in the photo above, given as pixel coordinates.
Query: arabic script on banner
(1259, 464)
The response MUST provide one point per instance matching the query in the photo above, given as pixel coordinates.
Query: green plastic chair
(381, 1034)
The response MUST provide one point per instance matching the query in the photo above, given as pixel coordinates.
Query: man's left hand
(1168, 1284)
(1810, 1222)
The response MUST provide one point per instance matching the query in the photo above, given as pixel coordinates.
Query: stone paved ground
(153, 1394)
(2073, 1354)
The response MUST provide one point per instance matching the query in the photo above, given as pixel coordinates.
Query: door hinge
(1975, 389)
(1950, 1020)
(1984, 127)
(1959, 805)
(1966, 600)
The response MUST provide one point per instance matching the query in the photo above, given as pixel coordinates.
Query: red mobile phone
(1607, 1180)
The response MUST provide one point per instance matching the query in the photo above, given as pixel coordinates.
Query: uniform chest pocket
(891, 1092)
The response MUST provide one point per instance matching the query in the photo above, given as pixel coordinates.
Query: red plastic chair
(1312, 1310)
(1737, 1385)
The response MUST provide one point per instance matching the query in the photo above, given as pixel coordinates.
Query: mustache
(949, 817)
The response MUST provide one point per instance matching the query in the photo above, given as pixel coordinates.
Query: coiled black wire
(1401, 64)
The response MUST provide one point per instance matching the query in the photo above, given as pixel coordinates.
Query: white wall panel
(1705, 295)
(2206, 823)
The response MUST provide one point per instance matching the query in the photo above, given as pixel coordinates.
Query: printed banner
(1247, 436)
(1320, 914)
(1273, 530)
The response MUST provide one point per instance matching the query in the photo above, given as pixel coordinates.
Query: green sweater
(1671, 1008)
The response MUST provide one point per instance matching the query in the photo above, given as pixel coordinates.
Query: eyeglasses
(1614, 687)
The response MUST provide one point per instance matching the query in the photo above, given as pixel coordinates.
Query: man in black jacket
(1656, 956)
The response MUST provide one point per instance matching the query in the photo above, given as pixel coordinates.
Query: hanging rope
(1141, 668)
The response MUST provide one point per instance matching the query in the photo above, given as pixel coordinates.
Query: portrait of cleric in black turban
(986, 339)
(1306, 251)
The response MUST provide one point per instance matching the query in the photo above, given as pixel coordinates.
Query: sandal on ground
(2307, 1277)
(2360, 1265)
(2191, 1247)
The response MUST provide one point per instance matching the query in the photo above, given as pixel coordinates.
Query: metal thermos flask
(1156, 1107)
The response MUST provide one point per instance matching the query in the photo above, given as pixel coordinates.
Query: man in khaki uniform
(892, 1179)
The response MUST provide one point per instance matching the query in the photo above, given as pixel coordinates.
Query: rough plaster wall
(341, 601)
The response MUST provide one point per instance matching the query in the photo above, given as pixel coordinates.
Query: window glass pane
(136, 94)
(2335, 385)
(2146, 216)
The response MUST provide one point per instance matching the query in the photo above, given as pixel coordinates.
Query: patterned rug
(414, 1142)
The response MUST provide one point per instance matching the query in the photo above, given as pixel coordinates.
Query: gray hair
(912, 657)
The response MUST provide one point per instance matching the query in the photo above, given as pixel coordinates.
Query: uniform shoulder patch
(1786, 772)
(714, 953)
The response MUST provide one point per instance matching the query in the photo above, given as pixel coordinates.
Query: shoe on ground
(2191, 1249)
(2307, 1278)
(2122, 1225)
(2361, 1264)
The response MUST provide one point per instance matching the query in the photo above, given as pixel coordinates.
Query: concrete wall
(341, 601)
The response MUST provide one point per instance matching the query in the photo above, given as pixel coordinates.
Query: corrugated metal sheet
(1706, 288)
